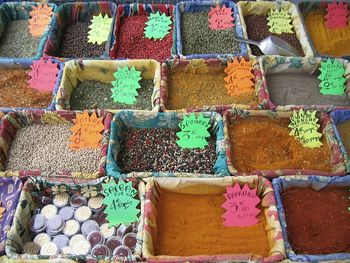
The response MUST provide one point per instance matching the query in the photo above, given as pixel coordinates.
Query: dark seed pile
(155, 150)
(74, 42)
(257, 29)
(45, 147)
(92, 94)
(16, 41)
(198, 38)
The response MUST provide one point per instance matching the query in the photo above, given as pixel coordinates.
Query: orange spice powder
(333, 42)
(16, 92)
(189, 224)
(260, 143)
(190, 89)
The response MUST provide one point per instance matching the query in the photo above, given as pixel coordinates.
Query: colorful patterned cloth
(146, 119)
(16, 120)
(193, 186)
(34, 187)
(336, 158)
(10, 189)
(81, 70)
(70, 13)
(20, 10)
(263, 7)
(316, 182)
(202, 66)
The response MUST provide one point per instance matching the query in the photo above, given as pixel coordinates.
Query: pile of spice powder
(198, 38)
(132, 43)
(16, 92)
(45, 147)
(17, 42)
(74, 42)
(180, 214)
(92, 94)
(273, 148)
(187, 90)
(257, 29)
(155, 150)
(317, 221)
(343, 129)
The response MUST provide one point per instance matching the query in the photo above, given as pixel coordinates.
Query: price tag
(240, 206)
(194, 131)
(120, 202)
(43, 75)
(99, 29)
(220, 18)
(332, 77)
(157, 26)
(279, 22)
(337, 15)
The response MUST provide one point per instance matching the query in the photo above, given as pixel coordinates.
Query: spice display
(317, 220)
(50, 152)
(74, 42)
(257, 29)
(179, 214)
(198, 38)
(343, 129)
(300, 89)
(16, 92)
(274, 148)
(155, 150)
(17, 42)
(78, 234)
(187, 89)
(92, 94)
(133, 44)
(332, 42)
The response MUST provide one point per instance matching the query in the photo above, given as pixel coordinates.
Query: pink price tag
(43, 75)
(220, 18)
(337, 15)
(240, 206)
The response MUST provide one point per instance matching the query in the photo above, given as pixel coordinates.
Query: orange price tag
(86, 131)
(239, 77)
(40, 18)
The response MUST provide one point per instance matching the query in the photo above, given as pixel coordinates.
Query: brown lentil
(45, 147)
(74, 42)
(155, 150)
(16, 92)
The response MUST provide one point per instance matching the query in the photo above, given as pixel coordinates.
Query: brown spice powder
(188, 90)
(343, 129)
(193, 225)
(16, 92)
(260, 143)
(318, 221)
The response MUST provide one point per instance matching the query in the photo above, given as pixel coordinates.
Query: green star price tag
(194, 131)
(305, 128)
(125, 85)
(99, 29)
(279, 22)
(332, 77)
(120, 202)
(157, 26)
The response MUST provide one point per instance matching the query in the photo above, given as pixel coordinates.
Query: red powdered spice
(132, 43)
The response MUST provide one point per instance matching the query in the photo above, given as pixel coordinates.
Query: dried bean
(45, 147)
(155, 150)
(16, 41)
(74, 42)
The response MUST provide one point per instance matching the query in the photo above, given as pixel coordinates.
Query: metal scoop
(271, 46)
